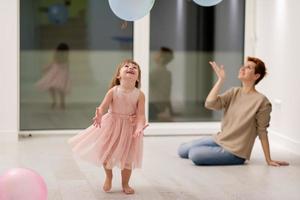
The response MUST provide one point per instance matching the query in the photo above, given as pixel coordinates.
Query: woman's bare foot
(127, 189)
(107, 184)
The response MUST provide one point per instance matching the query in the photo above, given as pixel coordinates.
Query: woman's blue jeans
(206, 152)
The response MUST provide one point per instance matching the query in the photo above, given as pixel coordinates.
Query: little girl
(56, 78)
(116, 138)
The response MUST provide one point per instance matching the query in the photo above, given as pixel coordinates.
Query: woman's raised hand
(219, 70)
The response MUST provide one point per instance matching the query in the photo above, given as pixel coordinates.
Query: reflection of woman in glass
(56, 77)
(160, 87)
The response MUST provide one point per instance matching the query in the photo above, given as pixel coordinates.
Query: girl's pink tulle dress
(113, 143)
(56, 77)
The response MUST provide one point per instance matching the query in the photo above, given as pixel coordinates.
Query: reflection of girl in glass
(56, 77)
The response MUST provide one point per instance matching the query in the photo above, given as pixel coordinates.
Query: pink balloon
(23, 184)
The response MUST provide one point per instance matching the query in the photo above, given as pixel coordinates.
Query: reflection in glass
(160, 107)
(56, 78)
(196, 36)
(61, 90)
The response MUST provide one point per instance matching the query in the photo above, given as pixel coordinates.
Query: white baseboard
(185, 128)
(50, 132)
(155, 129)
(8, 136)
(285, 142)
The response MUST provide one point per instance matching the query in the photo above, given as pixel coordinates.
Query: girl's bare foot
(127, 189)
(107, 185)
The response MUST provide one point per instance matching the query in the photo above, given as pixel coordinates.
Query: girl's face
(247, 72)
(129, 71)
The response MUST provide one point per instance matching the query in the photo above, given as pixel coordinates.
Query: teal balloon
(131, 10)
(58, 14)
(207, 3)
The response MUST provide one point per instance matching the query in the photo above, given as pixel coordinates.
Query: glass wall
(69, 52)
(70, 49)
(183, 38)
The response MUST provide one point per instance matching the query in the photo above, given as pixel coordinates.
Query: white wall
(274, 36)
(9, 70)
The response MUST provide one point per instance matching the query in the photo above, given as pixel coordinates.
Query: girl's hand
(137, 133)
(132, 119)
(97, 121)
(220, 72)
(97, 118)
(277, 163)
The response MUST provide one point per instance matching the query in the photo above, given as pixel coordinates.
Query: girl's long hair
(116, 81)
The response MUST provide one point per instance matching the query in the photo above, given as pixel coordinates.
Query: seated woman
(246, 116)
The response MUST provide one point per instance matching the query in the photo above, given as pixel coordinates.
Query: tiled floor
(163, 176)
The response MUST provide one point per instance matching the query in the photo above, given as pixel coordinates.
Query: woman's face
(247, 72)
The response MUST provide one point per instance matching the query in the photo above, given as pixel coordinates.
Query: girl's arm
(140, 114)
(103, 108)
